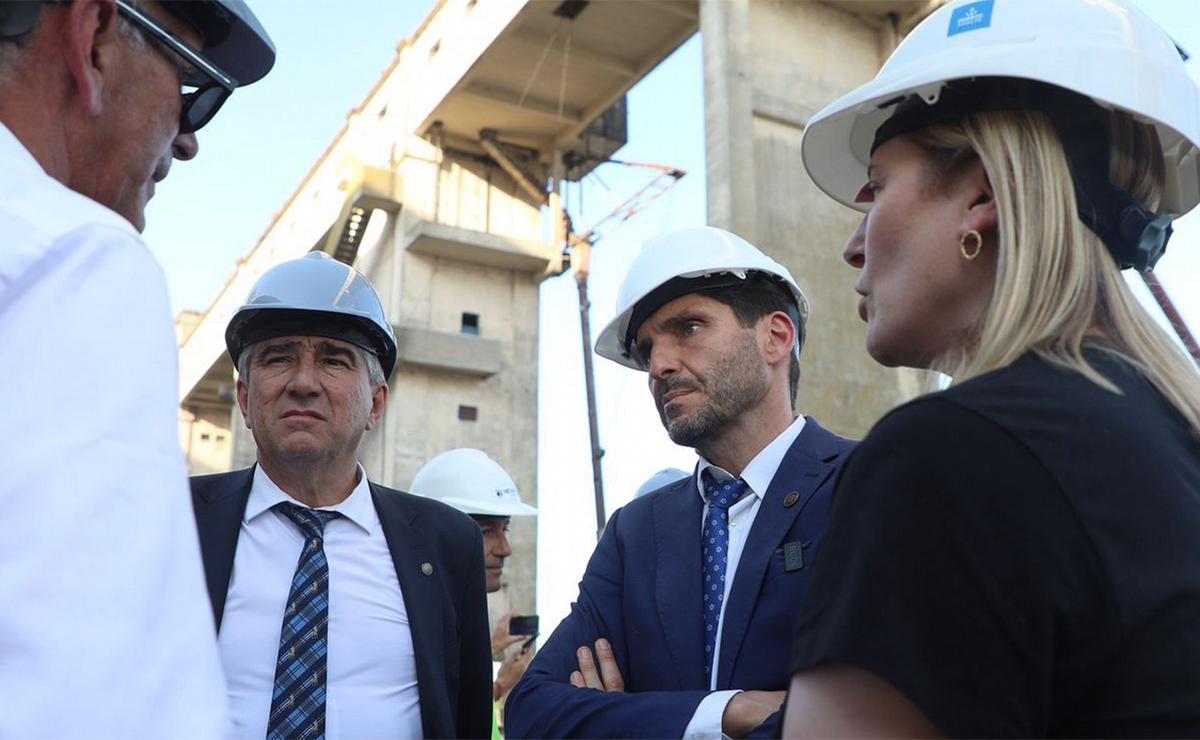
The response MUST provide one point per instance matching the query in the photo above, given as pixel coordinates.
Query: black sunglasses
(212, 86)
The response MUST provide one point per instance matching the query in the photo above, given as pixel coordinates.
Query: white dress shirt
(371, 685)
(706, 722)
(105, 628)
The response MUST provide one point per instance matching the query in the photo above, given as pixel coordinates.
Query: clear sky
(212, 211)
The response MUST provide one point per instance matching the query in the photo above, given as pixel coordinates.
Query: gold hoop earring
(962, 244)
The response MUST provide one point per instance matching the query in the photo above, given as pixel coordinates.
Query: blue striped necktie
(298, 700)
(715, 557)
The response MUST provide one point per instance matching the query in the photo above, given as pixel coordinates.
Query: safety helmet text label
(971, 17)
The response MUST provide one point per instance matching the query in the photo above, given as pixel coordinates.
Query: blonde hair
(1057, 289)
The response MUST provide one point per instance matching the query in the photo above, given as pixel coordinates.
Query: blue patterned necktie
(298, 701)
(715, 557)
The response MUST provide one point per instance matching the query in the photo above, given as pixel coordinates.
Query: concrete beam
(487, 140)
(478, 247)
(495, 95)
(534, 43)
(568, 138)
(442, 350)
(686, 10)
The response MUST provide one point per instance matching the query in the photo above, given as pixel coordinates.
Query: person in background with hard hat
(662, 478)
(478, 486)
(343, 607)
(1017, 555)
(689, 598)
(103, 631)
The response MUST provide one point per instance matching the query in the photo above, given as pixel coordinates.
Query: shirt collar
(13, 151)
(357, 507)
(761, 470)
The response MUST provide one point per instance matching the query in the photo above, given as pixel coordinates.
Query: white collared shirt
(758, 474)
(105, 628)
(371, 689)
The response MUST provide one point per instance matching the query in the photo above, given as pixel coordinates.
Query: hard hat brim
(836, 147)
(239, 44)
(501, 508)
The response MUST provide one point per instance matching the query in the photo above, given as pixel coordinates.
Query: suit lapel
(219, 512)
(677, 584)
(410, 551)
(804, 468)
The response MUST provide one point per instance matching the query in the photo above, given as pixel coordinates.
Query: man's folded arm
(545, 704)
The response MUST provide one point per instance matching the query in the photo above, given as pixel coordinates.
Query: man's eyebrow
(687, 317)
(289, 346)
(329, 348)
(673, 323)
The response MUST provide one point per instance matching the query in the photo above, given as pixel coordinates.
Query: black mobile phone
(526, 625)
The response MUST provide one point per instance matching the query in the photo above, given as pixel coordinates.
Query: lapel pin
(427, 569)
(791, 498)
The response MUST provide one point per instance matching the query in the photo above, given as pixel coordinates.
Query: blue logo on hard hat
(971, 17)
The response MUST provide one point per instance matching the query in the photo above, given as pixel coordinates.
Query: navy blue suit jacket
(642, 591)
(447, 609)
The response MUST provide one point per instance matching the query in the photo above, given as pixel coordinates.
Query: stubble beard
(736, 382)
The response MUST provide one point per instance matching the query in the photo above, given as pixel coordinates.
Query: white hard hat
(1102, 49)
(664, 477)
(314, 295)
(698, 252)
(235, 40)
(471, 482)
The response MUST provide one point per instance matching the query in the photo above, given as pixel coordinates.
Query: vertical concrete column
(769, 65)
(728, 113)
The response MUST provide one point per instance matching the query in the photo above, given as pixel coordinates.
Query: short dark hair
(757, 296)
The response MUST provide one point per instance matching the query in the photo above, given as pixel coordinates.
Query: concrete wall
(758, 98)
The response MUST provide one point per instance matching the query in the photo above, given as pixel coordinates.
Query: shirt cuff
(706, 721)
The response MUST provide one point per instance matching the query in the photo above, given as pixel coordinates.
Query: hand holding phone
(523, 625)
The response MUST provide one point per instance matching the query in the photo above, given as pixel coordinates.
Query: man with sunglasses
(104, 630)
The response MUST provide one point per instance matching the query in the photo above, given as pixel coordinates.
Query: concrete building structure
(443, 188)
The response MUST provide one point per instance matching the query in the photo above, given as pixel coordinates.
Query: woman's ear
(981, 208)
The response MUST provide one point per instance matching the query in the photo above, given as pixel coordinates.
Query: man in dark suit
(343, 607)
(689, 600)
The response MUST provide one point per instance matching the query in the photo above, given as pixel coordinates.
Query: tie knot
(724, 493)
(310, 521)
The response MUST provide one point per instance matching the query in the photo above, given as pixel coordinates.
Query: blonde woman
(1018, 555)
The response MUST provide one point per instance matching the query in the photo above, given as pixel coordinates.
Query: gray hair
(374, 368)
(10, 48)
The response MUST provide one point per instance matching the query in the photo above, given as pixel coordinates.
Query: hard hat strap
(1133, 235)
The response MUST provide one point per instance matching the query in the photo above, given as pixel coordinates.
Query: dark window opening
(468, 413)
(470, 323)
